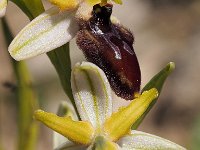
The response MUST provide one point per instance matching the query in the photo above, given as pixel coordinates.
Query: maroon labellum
(109, 46)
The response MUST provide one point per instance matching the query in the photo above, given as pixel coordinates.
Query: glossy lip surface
(109, 46)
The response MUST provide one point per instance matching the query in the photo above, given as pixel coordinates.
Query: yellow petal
(65, 4)
(117, 1)
(77, 131)
(64, 110)
(120, 122)
(93, 2)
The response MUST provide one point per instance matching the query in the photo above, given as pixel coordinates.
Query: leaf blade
(156, 82)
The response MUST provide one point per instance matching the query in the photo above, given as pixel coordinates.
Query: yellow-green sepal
(156, 82)
(119, 124)
(77, 131)
(93, 2)
(65, 4)
(101, 143)
(117, 1)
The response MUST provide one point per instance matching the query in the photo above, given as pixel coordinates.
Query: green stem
(59, 57)
(1, 146)
(27, 102)
(26, 98)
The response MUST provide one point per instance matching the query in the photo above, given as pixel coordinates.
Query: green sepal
(156, 82)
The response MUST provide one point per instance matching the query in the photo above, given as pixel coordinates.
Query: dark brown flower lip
(109, 46)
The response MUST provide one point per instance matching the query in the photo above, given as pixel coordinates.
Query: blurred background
(164, 30)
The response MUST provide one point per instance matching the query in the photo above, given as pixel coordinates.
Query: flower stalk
(26, 98)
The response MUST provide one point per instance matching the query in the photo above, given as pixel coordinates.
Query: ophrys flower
(52, 29)
(104, 43)
(100, 127)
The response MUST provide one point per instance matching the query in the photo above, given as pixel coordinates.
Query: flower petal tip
(3, 5)
(78, 131)
(171, 66)
(37, 114)
(154, 92)
(2, 12)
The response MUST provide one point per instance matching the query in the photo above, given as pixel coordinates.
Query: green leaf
(156, 82)
(26, 98)
(60, 58)
(32, 8)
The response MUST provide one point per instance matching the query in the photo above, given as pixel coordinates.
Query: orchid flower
(3, 5)
(52, 29)
(102, 39)
(100, 128)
